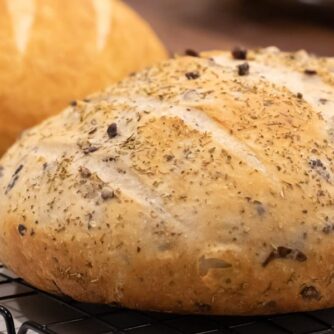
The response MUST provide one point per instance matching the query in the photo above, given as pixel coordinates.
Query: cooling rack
(27, 310)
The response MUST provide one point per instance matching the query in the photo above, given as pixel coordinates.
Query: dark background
(221, 24)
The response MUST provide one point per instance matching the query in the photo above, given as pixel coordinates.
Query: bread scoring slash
(201, 185)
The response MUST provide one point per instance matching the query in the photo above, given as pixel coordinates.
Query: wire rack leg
(8, 320)
(35, 327)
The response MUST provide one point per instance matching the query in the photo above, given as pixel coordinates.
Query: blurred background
(219, 24)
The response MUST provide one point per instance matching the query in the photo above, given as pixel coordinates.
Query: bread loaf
(55, 51)
(202, 185)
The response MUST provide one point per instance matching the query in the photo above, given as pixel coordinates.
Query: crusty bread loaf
(55, 51)
(203, 184)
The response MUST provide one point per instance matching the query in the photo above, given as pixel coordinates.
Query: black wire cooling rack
(26, 310)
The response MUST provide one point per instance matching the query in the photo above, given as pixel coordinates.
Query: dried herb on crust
(192, 75)
(90, 149)
(87, 147)
(14, 179)
(328, 228)
(85, 172)
(318, 166)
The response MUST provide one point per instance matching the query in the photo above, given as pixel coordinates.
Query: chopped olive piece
(22, 229)
(239, 53)
(243, 69)
(310, 72)
(285, 253)
(112, 130)
(191, 53)
(310, 292)
(107, 194)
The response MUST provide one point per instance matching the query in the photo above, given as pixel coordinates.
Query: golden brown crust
(58, 50)
(186, 187)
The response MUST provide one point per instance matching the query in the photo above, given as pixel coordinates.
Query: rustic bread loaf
(203, 184)
(54, 51)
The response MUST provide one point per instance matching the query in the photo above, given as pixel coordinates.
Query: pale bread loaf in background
(55, 51)
(203, 185)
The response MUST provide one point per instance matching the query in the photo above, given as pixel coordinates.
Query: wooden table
(219, 24)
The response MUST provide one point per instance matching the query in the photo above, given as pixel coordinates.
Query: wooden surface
(219, 24)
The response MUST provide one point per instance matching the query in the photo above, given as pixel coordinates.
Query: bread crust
(185, 188)
(56, 51)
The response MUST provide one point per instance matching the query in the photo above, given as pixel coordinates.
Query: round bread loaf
(203, 184)
(54, 51)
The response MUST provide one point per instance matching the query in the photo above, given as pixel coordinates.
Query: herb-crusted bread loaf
(55, 51)
(203, 184)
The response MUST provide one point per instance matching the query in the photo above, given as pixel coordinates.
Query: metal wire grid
(37, 312)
